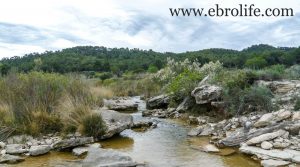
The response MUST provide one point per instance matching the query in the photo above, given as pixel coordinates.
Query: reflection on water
(49, 159)
(118, 142)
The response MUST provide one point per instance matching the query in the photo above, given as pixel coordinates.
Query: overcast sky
(39, 25)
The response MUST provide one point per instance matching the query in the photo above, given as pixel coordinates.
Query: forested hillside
(92, 59)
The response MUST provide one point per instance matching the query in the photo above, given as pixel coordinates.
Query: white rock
(265, 137)
(16, 149)
(2, 144)
(296, 116)
(210, 148)
(79, 151)
(264, 120)
(274, 153)
(266, 145)
(274, 163)
(39, 150)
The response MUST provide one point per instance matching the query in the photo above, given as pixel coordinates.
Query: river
(165, 146)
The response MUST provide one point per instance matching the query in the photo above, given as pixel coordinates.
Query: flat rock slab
(16, 149)
(71, 143)
(274, 163)
(265, 137)
(11, 159)
(288, 155)
(121, 105)
(39, 150)
(115, 122)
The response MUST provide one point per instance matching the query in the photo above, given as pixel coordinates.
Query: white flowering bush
(181, 77)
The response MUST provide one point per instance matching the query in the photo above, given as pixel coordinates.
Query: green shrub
(293, 72)
(234, 78)
(183, 84)
(93, 125)
(256, 63)
(254, 98)
(274, 72)
(297, 104)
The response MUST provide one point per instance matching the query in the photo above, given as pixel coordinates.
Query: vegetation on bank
(104, 63)
(39, 103)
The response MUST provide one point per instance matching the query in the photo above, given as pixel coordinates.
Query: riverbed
(165, 146)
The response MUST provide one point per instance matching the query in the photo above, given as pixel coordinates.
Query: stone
(296, 116)
(195, 131)
(274, 163)
(158, 102)
(71, 143)
(274, 153)
(115, 122)
(10, 159)
(121, 104)
(79, 151)
(296, 159)
(264, 120)
(186, 104)
(266, 145)
(280, 145)
(39, 150)
(2, 144)
(282, 115)
(3, 152)
(210, 148)
(265, 137)
(207, 130)
(274, 117)
(206, 94)
(16, 149)
(102, 158)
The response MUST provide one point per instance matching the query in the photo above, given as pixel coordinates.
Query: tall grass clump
(38, 103)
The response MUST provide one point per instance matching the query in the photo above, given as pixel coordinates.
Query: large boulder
(72, 142)
(115, 122)
(206, 94)
(16, 149)
(187, 103)
(39, 150)
(265, 137)
(102, 158)
(157, 102)
(121, 104)
(270, 118)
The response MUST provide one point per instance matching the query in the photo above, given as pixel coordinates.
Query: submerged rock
(115, 122)
(206, 94)
(161, 101)
(11, 159)
(39, 150)
(210, 148)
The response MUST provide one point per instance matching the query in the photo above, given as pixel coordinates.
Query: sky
(40, 25)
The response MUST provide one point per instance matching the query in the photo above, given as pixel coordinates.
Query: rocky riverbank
(273, 138)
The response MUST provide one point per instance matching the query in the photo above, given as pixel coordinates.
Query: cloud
(37, 26)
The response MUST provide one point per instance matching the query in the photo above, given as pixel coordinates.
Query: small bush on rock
(93, 125)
